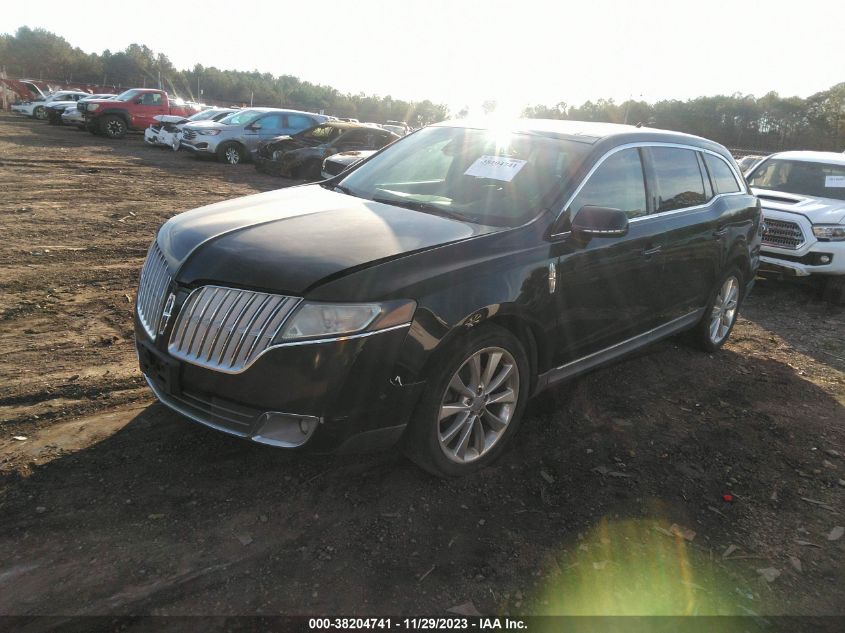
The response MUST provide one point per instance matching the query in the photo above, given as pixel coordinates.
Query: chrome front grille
(782, 234)
(188, 134)
(152, 290)
(226, 329)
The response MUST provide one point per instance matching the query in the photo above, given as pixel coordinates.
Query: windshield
(483, 176)
(243, 117)
(127, 96)
(803, 178)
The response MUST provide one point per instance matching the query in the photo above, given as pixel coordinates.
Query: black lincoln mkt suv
(424, 296)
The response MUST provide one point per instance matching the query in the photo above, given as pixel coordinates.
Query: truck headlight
(321, 320)
(829, 232)
(91, 107)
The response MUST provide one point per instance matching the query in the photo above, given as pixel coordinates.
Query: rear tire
(230, 153)
(113, 126)
(834, 290)
(721, 312)
(472, 405)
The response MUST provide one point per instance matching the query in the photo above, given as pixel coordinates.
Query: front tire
(40, 113)
(113, 126)
(473, 404)
(230, 153)
(721, 313)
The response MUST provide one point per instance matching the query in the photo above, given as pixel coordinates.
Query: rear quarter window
(723, 178)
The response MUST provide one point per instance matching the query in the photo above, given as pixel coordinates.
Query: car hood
(170, 118)
(817, 210)
(200, 125)
(291, 240)
(286, 144)
(348, 158)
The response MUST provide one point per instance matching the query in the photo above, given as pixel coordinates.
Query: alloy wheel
(724, 310)
(232, 155)
(40, 113)
(114, 128)
(478, 404)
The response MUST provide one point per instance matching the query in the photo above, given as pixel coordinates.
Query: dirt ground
(610, 500)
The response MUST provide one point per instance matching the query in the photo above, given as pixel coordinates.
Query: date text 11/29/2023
(415, 624)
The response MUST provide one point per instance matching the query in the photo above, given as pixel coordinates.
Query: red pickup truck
(131, 110)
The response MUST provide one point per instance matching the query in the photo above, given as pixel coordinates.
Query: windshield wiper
(424, 207)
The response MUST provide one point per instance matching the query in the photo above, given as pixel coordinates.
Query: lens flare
(639, 568)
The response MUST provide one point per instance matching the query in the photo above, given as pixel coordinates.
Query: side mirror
(600, 222)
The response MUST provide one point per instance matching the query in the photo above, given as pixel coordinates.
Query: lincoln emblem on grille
(165, 314)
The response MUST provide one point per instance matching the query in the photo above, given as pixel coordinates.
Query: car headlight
(91, 107)
(208, 132)
(829, 232)
(321, 320)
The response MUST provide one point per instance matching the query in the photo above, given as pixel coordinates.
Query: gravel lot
(611, 499)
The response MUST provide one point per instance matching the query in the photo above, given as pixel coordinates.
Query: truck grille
(332, 168)
(782, 234)
(226, 329)
(152, 290)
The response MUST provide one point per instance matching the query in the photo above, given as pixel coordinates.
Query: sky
(463, 52)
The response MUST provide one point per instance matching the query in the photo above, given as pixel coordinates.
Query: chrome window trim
(648, 144)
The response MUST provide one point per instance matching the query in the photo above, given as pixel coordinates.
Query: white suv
(803, 199)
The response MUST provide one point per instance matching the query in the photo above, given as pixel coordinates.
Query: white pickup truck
(803, 199)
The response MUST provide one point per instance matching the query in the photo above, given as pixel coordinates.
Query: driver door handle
(648, 252)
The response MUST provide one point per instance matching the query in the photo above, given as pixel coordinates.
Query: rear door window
(723, 178)
(299, 122)
(678, 176)
(618, 183)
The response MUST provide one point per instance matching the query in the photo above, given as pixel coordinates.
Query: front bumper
(341, 389)
(201, 143)
(807, 258)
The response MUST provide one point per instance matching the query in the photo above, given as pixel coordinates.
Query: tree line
(766, 124)
(41, 55)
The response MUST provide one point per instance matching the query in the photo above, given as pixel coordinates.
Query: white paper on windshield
(834, 181)
(496, 167)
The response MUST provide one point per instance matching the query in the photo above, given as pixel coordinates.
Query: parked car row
(282, 142)
(37, 107)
